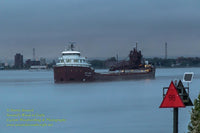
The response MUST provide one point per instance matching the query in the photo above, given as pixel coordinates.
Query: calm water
(103, 107)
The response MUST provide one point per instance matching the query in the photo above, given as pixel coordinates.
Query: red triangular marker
(172, 98)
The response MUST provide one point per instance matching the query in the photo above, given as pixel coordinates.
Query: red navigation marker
(172, 98)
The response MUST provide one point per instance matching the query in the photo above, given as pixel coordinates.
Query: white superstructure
(72, 58)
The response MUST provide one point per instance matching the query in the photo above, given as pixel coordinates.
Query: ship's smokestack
(33, 54)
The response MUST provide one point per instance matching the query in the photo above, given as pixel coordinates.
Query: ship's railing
(127, 71)
(79, 65)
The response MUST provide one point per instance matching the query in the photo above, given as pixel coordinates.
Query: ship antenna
(117, 58)
(72, 46)
(136, 46)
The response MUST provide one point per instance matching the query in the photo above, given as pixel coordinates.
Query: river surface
(98, 107)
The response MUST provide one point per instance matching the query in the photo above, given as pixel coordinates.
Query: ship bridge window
(76, 60)
(61, 60)
(82, 61)
(71, 54)
(68, 60)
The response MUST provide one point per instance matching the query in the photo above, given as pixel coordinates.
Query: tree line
(157, 62)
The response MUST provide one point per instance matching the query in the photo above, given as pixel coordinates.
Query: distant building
(2, 66)
(18, 61)
(43, 62)
(35, 63)
(30, 63)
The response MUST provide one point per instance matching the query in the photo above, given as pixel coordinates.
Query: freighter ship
(73, 67)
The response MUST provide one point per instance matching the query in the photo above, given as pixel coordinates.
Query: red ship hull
(72, 74)
(124, 76)
(83, 74)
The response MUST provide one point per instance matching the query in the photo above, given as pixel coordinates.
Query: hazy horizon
(99, 28)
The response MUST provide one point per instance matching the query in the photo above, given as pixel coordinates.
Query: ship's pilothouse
(72, 58)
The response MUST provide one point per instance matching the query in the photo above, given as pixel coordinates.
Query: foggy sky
(100, 28)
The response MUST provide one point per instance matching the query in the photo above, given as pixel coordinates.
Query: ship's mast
(71, 47)
(136, 46)
(117, 58)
